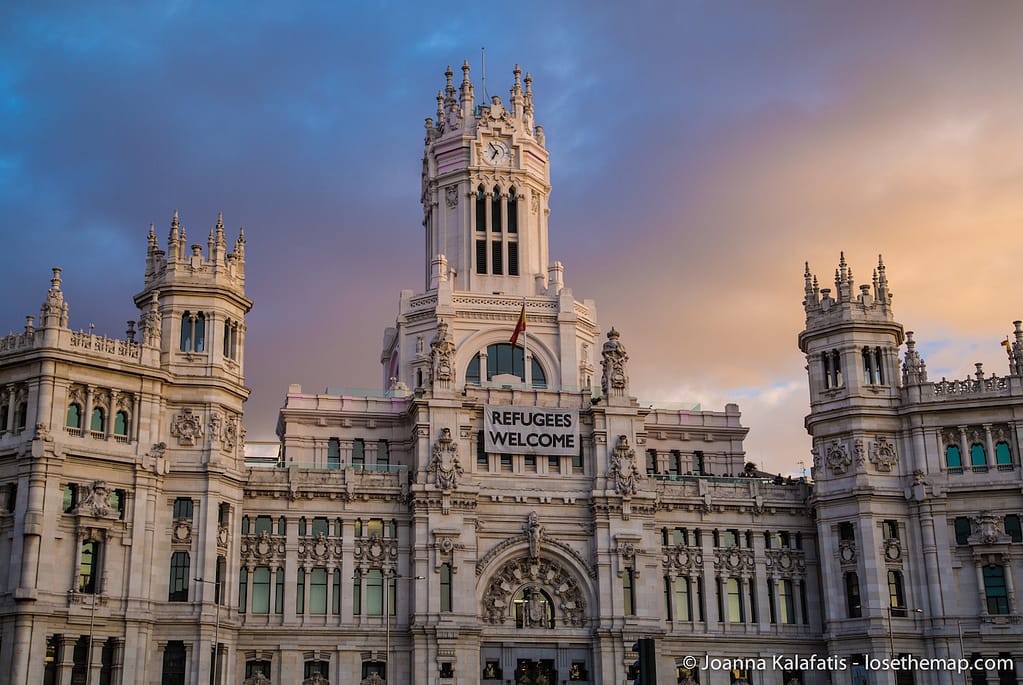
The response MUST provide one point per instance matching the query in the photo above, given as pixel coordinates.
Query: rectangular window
(853, 608)
(481, 451)
(357, 594)
(698, 465)
(995, 591)
(383, 454)
(70, 498)
(506, 462)
(629, 592)
(261, 590)
(321, 526)
(333, 453)
(178, 587)
(890, 529)
(513, 259)
(335, 595)
(786, 607)
(962, 530)
(89, 569)
(264, 524)
(846, 532)
(183, 509)
(683, 600)
(299, 592)
(374, 592)
(577, 462)
(318, 591)
(675, 463)
(358, 451)
(375, 528)
(530, 460)
(481, 255)
(554, 464)
(1012, 527)
(279, 592)
(496, 254)
(445, 587)
(733, 594)
(243, 586)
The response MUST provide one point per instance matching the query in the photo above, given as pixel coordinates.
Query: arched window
(74, 416)
(513, 214)
(186, 332)
(177, 590)
(21, 416)
(533, 609)
(481, 210)
(199, 342)
(896, 594)
(98, 422)
(953, 459)
(1002, 454)
(121, 423)
(503, 358)
(978, 457)
(495, 212)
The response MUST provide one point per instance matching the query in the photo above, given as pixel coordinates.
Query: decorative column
(980, 587)
(87, 392)
(96, 648)
(989, 455)
(67, 656)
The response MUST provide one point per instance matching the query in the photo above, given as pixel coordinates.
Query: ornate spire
(174, 236)
(465, 92)
(914, 370)
(614, 381)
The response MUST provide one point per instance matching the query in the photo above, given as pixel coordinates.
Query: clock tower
(485, 185)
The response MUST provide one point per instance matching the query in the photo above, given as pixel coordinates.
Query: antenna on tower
(483, 72)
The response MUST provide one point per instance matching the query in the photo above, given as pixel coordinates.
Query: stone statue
(442, 355)
(614, 382)
(444, 465)
(534, 532)
(623, 469)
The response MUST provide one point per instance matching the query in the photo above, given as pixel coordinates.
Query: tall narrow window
(445, 587)
(481, 256)
(629, 591)
(335, 594)
(963, 530)
(481, 451)
(177, 590)
(243, 586)
(261, 590)
(383, 454)
(300, 592)
(74, 416)
(20, 416)
(358, 452)
(978, 457)
(1003, 456)
(786, 605)
(836, 369)
(318, 591)
(995, 591)
(121, 424)
(1013, 528)
(497, 251)
(333, 453)
(481, 213)
(868, 366)
(513, 213)
(70, 498)
(651, 462)
(733, 594)
(852, 595)
(953, 459)
(89, 568)
(495, 212)
(896, 594)
(218, 582)
(199, 342)
(186, 332)
(98, 423)
(826, 367)
(698, 465)
(374, 592)
(173, 663)
(513, 259)
(878, 367)
(683, 600)
(279, 592)
(357, 593)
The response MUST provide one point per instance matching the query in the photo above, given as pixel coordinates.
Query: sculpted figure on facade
(96, 502)
(614, 382)
(838, 458)
(882, 454)
(445, 466)
(187, 428)
(442, 355)
(535, 534)
(623, 469)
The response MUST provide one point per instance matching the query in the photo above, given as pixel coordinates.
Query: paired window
(98, 422)
(74, 416)
(873, 366)
(1003, 456)
(678, 597)
(373, 579)
(831, 364)
(193, 332)
(231, 339)
(503, 358)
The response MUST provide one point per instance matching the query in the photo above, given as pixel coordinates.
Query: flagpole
(527, 367)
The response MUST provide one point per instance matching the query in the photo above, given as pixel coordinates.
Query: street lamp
(387, 618)
(217, 594)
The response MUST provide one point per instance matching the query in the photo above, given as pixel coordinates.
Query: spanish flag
(1007, 346)
(520, 326)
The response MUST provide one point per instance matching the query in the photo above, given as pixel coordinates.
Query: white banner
(531, 430)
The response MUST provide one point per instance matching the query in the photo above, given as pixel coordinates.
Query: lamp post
(215, 665)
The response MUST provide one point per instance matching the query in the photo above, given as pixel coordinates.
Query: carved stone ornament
(624, 471)
(229, 435)
(223, 536)
(534, 533)
(187, 428)
(97, 502)
(892, 549)
(534, 204)
(785, 563)
(987, 530)
(375, 550)
(216, 421)
(320, 548)
(882, 454)
(535, 574)
(614, 382)
(372, 679)
(445, 467)
(316, 679)
(838, 459)
(682, 559)
(182, 531)
(859, 451)
(733, 560)
(262, 549)
(442, 354)
(451, 196)
(847, 552)
(257, 679)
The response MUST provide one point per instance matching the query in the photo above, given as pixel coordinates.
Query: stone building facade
(504, 510)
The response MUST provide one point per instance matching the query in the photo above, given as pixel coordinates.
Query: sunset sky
(700, 152)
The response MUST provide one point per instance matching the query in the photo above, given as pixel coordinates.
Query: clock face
(495, 152)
